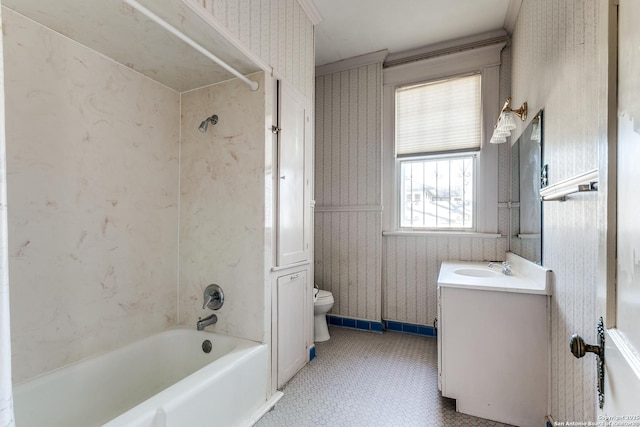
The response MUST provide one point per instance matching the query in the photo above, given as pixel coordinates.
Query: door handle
(579, 348)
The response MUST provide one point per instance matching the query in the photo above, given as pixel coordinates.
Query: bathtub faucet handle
(213, 297)
(208, 299)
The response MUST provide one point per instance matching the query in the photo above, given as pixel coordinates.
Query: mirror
(526, 207)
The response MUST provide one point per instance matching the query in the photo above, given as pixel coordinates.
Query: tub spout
(203, 323)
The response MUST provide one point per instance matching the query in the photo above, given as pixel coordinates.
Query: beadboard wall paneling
(277, 31)
(348, 229)
(411, 265)
(348, 177)
(348, 261)
(348, 132)
(555, 51)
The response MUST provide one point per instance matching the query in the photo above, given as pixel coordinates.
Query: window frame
(486, 61)
(435, 156)
(443, 154)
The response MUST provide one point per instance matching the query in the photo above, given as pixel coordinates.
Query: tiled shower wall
(92, 175)
(222, 213)
(99, 242)
(555, 67)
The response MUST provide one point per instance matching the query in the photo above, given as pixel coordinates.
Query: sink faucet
(203, 323)
(506, 268)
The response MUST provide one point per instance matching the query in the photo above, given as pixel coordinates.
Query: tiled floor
(366, 379)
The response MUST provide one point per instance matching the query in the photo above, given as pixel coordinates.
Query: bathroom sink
(477, 272)
(525, 276)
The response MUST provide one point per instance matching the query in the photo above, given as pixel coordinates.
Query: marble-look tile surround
(222, 206)
(6, 398)
(92, 173)
(95, 202)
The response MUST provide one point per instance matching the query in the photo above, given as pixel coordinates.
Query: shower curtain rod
(149, 14)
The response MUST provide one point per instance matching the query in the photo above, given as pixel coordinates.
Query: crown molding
(354, 62)
(311, 10)
(442, 66)
(446, 48)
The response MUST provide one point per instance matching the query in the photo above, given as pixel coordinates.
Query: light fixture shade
(501, 133)
(495, 139)
(507, 122)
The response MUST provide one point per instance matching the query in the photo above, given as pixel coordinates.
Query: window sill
(442, 234)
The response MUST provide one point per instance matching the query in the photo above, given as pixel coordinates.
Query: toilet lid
(324, 294)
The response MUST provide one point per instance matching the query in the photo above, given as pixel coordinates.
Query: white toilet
(322, 303)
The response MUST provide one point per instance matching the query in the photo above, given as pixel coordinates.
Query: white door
(622, 308)
(293, 211)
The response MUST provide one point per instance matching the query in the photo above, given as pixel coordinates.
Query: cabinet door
(292, 324)
(293, 204)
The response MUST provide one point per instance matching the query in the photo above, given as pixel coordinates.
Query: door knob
(579, 348)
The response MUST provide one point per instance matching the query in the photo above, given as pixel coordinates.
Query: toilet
(322, 303)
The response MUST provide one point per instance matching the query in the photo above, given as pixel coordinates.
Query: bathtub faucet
(506, 268)
(203, 323)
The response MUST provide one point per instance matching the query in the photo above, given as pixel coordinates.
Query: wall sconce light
(506, 123)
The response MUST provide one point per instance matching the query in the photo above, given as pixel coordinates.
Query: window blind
(441, 116)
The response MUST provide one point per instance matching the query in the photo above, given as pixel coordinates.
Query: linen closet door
(292, 325)
(293, 182)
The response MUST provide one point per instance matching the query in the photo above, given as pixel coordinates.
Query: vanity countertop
(526, 277)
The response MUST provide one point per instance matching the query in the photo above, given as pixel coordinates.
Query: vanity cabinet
(493, 351)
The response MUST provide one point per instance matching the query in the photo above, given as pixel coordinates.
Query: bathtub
(165, 380)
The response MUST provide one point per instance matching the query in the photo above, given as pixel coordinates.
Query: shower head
(205, 124)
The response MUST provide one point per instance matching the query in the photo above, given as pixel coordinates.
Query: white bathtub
(163, 380)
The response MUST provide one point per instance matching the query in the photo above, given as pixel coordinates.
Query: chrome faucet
(506, 268)
(203, 323)
(213, 299)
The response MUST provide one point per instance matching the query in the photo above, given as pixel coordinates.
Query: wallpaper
(555, 51)
(373, 276)
(277, 31)
(348, 230)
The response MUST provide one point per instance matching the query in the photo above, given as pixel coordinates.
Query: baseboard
(410, 328)
(312, 353)
(347, 322)
(385, 325)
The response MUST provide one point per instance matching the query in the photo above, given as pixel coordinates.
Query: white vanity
(493, 339)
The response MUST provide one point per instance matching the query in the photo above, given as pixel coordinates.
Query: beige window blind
(438, 117)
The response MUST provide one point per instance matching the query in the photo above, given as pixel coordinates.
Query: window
(438, 128)
(439, 192)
